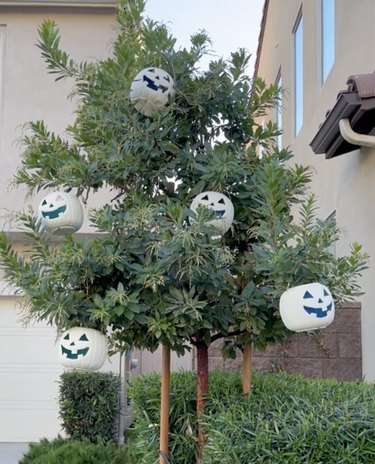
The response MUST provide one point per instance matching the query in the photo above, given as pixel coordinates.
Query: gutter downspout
(353, 137)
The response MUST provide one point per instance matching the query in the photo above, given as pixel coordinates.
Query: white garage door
(29, 374)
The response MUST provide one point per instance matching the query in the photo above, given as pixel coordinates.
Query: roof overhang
(357, 105)
(16, 4)
(261, 36)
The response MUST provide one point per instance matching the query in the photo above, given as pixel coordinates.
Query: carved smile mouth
(319, 312)
(55, 213)
(78, 354)
(220, 212)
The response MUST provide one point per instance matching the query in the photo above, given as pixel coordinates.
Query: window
(298, 75)
(279, 114)
(327, 37)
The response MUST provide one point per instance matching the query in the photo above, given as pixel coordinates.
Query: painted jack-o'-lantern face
(150, 90)
(74, 349)
(307, 307)
(220, 204)
(319, 304)
(61, 213)
(83, 348)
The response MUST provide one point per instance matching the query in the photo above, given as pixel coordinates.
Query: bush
(62, 451)
(89, 403)
(145, 394)
(286, 419)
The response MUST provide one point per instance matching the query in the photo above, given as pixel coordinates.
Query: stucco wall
(344, 184)
(30, 93)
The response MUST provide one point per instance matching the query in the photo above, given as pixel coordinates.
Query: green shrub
(145, 394)
(62, 451)
(89, 403)
(286, 419)
(294, 420)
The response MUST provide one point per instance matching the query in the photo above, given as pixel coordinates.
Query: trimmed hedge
(89, 403)
(286, 419)
(145, 394)
(62, 451)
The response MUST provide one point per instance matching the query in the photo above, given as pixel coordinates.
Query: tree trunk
(202, 389)
(246, 370)
(164, 402)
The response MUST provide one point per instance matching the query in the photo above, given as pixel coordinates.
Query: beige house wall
(345, 184)
(29, 93)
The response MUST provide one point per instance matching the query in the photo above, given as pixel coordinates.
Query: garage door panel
(29, 375)
(25, 422)
(28, 386)
(30, 371)
(27, 346)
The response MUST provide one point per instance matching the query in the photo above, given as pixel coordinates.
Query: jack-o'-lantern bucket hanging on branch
(82, 348)
(61, 213)
(220, 204)
(151, 90)
(307, 307)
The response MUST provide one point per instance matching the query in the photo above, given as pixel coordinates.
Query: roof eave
(261, 36)
(102, 4)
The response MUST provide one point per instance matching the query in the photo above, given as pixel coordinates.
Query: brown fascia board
(357, 104)
(260, 38)
(346, 105)
(59, 3)
(361, 114)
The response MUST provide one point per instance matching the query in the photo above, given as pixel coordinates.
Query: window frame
(279, 110)
(298, 91)
(327, 38)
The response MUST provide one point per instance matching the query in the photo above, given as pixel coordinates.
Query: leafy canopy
(157, 272)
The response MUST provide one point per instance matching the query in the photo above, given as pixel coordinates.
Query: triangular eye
(83, 338)
(205, 198)
(167, 78)
(44, 202)
(222, 201)
(66, 337)
(59, 198)
(325, 293)
(152, 70)
(307, 295)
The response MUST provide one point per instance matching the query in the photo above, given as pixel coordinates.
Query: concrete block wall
(334, 352)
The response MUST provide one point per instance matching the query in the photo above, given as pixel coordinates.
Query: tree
(159, 273)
